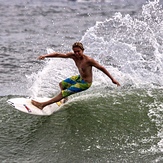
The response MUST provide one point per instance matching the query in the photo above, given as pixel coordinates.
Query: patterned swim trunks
(73, 85)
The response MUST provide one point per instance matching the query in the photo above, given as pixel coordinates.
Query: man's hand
(115, 82)
(41, 57)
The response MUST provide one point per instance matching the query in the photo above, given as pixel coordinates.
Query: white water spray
(129, 47)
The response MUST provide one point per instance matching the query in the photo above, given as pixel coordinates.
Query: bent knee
(60, 85)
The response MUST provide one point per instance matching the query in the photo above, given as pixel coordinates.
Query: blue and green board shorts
(73, 85)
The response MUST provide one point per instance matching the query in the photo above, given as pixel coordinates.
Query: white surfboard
(25, 105)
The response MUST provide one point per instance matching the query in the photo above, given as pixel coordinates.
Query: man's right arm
(56, 55)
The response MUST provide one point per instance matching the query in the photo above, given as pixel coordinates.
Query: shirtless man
(76, 83)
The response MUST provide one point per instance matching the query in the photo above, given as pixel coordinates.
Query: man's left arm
(103, 69)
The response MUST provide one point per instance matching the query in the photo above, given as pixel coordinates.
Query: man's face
(78, 51)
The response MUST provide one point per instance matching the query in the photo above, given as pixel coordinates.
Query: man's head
(78, 48)
(79, 45)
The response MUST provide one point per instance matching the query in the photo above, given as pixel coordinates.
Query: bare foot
(37, 104)
(64, 100)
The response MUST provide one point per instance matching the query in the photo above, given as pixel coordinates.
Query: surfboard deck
(25, 105)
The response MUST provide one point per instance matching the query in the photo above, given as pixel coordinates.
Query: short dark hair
(78, 44)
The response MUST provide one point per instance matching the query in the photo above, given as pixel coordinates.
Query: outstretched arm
(103, 69)
(56, 55)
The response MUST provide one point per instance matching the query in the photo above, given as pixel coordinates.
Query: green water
(113, 126)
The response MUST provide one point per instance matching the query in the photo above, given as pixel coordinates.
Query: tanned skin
(84, 65)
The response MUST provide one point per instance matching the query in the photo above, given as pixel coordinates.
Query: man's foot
(37, 104)
(64, 100)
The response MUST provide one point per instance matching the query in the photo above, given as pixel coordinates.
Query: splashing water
(45, 82)
(132, 45)
(129, 47)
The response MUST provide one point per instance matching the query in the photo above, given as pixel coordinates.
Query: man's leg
(64, 99)
(57, 98)
(41, 105)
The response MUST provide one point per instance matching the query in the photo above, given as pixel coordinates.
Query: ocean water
(105, 124)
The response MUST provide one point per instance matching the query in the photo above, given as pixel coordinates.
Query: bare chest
(82, 65)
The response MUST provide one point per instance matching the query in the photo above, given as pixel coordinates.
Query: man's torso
(84, 67)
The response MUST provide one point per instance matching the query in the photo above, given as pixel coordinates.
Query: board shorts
(73, 85)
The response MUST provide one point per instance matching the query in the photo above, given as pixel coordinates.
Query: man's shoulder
(87, 57)
(70, 54)
(90, 59)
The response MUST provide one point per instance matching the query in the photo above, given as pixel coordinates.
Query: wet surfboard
(25, 105)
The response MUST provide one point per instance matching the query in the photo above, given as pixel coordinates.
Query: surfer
(76, 83)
